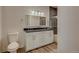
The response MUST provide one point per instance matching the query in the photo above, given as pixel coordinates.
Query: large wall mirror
(32, 20)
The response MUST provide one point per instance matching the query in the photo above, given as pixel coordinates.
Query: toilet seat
(13, 46)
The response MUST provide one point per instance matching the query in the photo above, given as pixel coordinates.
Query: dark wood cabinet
(53, 18)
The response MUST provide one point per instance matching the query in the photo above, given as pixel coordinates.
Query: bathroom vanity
(36, 32)
(37, 37)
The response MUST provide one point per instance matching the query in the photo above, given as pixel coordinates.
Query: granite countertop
(28, 30)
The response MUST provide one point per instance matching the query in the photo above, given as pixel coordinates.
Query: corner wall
(0, 26)
(68, 29)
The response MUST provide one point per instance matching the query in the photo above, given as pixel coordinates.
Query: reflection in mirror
(42, 21)
(35, 21)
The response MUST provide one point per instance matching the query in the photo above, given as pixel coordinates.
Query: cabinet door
(29, 41)
(46, 36)
(49, 38)
(32, 40)
(36, 40)
(41, 39)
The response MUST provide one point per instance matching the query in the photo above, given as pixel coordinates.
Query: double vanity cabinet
(36, 32)
(37, 39)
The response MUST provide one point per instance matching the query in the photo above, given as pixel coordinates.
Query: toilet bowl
(12, 47)
(13, 42)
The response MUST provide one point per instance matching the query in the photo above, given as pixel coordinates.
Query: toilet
(13, 42)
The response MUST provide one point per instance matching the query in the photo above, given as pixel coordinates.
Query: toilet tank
(13, 37)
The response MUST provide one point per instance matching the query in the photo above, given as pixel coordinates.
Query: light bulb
(32, 12)
(39, 13)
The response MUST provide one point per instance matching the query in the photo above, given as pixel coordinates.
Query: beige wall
(0, 26)
(68, 29)
(13, 21)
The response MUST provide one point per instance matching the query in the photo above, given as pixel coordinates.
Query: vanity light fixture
(37, 13)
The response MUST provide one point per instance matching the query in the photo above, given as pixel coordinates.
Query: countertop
(39, 29)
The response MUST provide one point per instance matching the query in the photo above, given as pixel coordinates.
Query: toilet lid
(13, 45)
